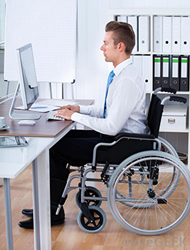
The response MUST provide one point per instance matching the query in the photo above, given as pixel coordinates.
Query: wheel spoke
(152, 206)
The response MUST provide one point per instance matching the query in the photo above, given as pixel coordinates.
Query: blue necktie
(110, 79)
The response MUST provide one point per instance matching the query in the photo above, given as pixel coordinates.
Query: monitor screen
(27, 75)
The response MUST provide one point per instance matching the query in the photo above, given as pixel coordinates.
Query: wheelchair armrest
(119, 137)
(133, 135)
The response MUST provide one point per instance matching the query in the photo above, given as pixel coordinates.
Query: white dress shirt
(125, 109)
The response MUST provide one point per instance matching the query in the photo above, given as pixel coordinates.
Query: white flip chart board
(50, 26)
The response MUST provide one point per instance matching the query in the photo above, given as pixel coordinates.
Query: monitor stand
(15, 115)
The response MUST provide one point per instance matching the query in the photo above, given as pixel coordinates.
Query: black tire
(90, 191)
(92, 227)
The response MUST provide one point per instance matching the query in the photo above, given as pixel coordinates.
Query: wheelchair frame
(141, 188)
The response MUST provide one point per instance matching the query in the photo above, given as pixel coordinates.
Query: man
(123, 111)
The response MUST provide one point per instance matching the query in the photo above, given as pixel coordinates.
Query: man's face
(109, 49)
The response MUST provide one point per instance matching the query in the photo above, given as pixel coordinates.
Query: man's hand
(65, 113)
(71, 107)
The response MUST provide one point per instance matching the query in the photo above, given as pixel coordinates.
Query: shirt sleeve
(91, 110)
(121, 105)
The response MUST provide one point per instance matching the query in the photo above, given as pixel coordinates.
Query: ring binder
(146, 71)
(157, 72)
(184, 77)
(176, 28)
(165, 71)
(185, 34)
(122, 18)
(132, 20)
(143, 31)
(167, 22)
(175, 73)
(158, 37)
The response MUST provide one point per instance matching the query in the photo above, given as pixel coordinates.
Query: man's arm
(125, 98)
(74, 108)
(91, 110)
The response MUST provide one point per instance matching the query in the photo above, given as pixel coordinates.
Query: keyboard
(50, 116)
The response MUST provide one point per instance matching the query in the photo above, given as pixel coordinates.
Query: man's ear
(121, 46)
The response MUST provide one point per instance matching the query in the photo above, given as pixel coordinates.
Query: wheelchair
(148, 187)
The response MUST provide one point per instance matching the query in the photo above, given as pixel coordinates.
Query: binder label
(184, 67)
(165, 67)
(175, 67)
(157, 63)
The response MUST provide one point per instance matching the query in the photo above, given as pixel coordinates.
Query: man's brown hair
(122, 32)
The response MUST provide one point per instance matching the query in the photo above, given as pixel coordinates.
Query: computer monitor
(27, 83)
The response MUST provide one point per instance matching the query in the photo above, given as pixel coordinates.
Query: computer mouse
(26, 122)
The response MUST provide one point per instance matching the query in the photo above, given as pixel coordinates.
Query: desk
(42, 127)
(14, 160)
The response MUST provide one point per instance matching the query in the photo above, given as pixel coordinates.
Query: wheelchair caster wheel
(92, 192)
(92, 227)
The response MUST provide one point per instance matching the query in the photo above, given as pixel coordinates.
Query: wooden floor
(70, 236)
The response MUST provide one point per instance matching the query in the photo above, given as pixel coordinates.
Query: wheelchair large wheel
(90, 192)
(151, 211)
(167, 147)
(172, 180)
(97, 225)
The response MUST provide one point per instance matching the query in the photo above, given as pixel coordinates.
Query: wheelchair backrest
(155, 115)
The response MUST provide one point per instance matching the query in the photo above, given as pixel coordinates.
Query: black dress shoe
(55, 220)
(28, 212)
(27, 224)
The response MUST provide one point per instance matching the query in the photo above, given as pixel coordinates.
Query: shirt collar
(117, 70)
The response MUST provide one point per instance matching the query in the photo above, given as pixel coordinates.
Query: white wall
(91, 69)
(2, 18)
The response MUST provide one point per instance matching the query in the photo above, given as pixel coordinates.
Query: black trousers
(76, 148)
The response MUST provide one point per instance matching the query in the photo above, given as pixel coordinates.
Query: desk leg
(8, 216)
(36, 205)
(44, 200)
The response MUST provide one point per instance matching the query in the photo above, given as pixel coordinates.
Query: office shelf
(151, 13)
